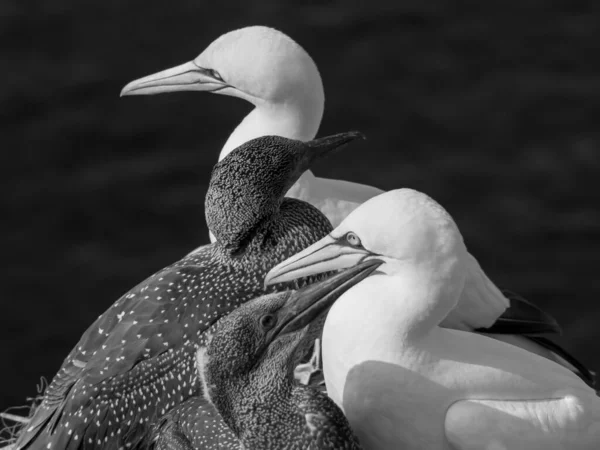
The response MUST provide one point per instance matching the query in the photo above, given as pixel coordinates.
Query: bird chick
(247, 370)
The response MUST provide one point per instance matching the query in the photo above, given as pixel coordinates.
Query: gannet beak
(319, 148)
(325, 145)
(306, 304)
(186, 77)
(329, 254)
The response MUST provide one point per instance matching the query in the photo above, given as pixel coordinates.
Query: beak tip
(358, 135)
(268, 281)
(125, 91)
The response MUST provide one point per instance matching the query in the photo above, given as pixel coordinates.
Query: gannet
(502, 315)
(268, 69)
(392, 360)
(246, 369)
(136, 361)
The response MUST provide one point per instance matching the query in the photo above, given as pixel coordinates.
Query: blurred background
(492, 110)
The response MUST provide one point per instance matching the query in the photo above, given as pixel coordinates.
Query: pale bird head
(400, 228)
(259, 64)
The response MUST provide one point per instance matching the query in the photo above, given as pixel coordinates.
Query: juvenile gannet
(247, 367)
(268, 69)
(403, 377)
(196, 424)
(136, 362)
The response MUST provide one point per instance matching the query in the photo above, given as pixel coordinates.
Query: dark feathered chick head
(263, 334)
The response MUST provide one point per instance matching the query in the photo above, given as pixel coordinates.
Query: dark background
(491, 109)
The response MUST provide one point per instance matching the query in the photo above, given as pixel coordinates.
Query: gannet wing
(544, 424)
(508, 317)
(128, 350)
(483, 307)
(564, 358)
(480, 304)
(526, 321)
(523, 317)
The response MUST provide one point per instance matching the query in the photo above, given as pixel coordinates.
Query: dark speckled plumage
(136, 362)
(249, 379)
(194, 424)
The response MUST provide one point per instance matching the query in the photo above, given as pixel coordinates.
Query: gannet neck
(270, 70)
(406, 300)
(298, 118)
(380, 318)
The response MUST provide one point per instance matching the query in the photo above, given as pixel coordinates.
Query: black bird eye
(353, 239)
(268, 321)
(216, 75)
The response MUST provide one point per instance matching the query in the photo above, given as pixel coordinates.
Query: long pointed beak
(329, 254)
(186, 77)
(325, 145)
(307, 304)
(316, 149)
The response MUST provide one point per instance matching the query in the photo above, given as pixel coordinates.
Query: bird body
(399, 360)
(136, 362)
(268, 69)
(448, 389)
(191, 425)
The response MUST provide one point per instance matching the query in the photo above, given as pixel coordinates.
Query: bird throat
(299, 121)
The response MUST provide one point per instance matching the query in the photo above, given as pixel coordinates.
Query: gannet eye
(216, 75)
(353, 239)
(268, 321)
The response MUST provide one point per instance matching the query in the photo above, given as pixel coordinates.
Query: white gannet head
(259, 64)
(399, 227)
(415, 288)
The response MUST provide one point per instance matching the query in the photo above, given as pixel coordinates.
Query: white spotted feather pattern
(135, 363)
